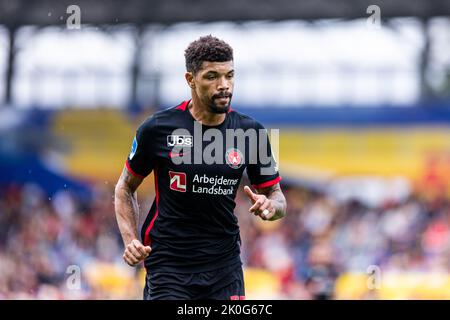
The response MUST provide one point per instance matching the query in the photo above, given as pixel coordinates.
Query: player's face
(213, 85)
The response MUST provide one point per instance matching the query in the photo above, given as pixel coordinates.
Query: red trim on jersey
(267, 183)
(147, 240)
(127, 165)
(183, 105)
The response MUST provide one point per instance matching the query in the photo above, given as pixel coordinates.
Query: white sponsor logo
(179, 141)
(214, 185)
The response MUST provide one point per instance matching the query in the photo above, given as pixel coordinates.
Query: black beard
(216, 109)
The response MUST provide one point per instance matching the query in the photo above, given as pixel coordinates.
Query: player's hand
(262, 206)
(135, 252)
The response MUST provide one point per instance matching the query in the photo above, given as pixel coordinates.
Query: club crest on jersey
(234, 158)
(177, 181)
(179, 141)
(133, 148)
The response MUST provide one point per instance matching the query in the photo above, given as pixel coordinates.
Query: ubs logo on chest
(180, 141)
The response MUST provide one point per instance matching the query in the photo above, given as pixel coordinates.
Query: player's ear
(190, 79)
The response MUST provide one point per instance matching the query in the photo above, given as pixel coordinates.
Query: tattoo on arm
(275, 194)
(126, 206)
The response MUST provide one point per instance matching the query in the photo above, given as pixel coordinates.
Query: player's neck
(203, 115)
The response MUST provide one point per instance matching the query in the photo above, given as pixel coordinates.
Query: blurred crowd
(45, 240)
(322, 238)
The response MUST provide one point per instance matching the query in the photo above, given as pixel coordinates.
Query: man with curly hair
(190, 240)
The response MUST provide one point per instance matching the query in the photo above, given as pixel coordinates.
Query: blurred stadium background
(363, 108)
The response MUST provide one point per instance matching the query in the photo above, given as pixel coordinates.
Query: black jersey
(191, 226)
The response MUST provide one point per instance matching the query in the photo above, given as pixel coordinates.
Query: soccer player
(190, 238)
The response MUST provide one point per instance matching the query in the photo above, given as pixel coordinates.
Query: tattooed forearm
(126, 206)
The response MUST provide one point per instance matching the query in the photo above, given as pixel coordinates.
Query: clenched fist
(135, 252)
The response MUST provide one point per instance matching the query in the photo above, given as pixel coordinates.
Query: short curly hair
(207, 48)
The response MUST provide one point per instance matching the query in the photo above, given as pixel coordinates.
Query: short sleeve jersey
(191, 225)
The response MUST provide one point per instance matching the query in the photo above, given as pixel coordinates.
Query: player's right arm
(127, 215)
(139, 164)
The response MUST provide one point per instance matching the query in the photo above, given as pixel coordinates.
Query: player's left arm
(269, 198)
